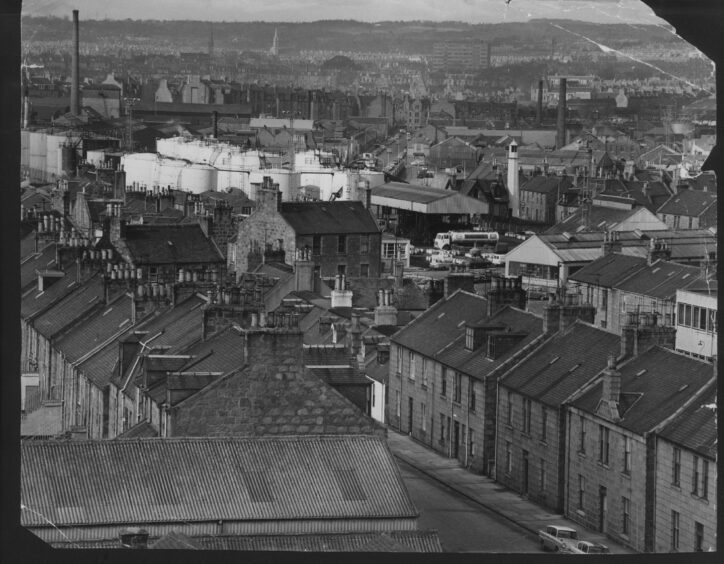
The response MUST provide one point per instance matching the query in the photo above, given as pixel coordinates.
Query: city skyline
(474, 11)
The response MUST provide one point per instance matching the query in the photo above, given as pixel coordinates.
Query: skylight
(440, 316)
(554, 359)
(461, 323)
(641, 372)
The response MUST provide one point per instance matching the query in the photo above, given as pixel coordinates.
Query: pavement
(487, 492)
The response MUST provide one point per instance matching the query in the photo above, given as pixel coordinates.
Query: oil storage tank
(197, 178)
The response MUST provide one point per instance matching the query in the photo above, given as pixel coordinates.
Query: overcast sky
(474, 11)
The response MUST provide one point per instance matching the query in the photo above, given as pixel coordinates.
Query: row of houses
(578, 418)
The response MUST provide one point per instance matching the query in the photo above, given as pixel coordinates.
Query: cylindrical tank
(198, 178)
(169, 173)
(139, 168)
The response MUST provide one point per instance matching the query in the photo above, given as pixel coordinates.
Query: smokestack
(75, 70)
(561, 129)
(539, 107)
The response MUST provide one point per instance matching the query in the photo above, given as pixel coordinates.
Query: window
(509, 416)
(316, 244)
(704, 478)
(508, 457)
(687, 315)
(398, 403)
(695, 477)
(411, 359)
(626, 517)
(342, 270)
(603, 436)
(399, 360)
(542, 480)
(544, 423)
(582, 435)
(424, 372)
(674, 530)
(342, 244)
(457, 386)
(424, 417)
(364, 270)
(698, 537)
(471, 442)
(581, 491)
(526, 415)
(153, 274)
(364, 244)
(471, 394)
(627, 455)
(676, 467)
(443, 383)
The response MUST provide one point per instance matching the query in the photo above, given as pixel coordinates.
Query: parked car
(588, 547)
(558, 538)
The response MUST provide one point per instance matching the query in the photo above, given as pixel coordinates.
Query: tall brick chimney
(75, 68)
(561, 124)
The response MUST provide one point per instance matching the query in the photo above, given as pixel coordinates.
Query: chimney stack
(539, 107)
(75, 70)
(561, 126)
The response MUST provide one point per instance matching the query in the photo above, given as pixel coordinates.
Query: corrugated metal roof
(193, 480)
(70, 308)
(658, 382)
(579, 254)
(696, 427)
(411, 192)
(328, 217)
(563, 364)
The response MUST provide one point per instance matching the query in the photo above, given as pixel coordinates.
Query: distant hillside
(337, 35)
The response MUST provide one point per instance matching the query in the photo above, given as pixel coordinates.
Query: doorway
(456, 439)
(603, 505)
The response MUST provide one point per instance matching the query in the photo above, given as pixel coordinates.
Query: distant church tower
(274, 51)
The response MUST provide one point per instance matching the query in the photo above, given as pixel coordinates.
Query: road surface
(463, 525)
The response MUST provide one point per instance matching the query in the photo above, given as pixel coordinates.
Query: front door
(603, 505)
(524, 488)
(409, 416)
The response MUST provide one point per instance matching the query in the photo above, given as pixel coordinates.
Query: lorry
(559, 539)
(466, 239)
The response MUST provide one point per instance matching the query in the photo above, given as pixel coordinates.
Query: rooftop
(210, 479)
(562, 364)
(654, 385)
(695, 428)
(690, 203)
(328, 217)
(170, 244)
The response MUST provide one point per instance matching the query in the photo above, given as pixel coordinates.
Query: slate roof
(439, 325)
(547, 184)
(654, 385)
(70, 308)
(35, 302)
(690, 203)
(696, 427)
(106, 322)
(144, 429)
(210, 479)
(170, 244)
(348, 216)
(222, 352)
(276, 400)
(99, 367)
(341, 376)
(599, 219)
(325, 355)
(42, 260)
(608, 270)
(659, 280)
(562, 364)
(476, 362)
